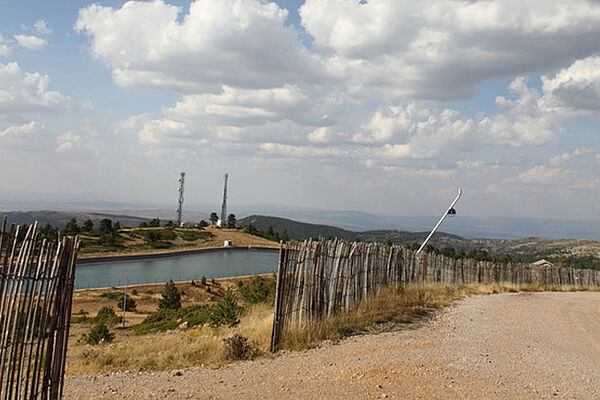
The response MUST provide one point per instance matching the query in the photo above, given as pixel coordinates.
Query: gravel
(505, 346)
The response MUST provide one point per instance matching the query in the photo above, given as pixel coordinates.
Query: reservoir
(211, 264)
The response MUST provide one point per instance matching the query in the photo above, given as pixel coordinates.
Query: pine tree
(171, 298)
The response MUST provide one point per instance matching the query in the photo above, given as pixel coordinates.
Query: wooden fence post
(279, 297)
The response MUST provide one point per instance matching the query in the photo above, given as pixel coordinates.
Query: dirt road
(506, 346)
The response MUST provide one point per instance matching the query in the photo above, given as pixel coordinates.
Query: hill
(303, 230)
(581, 253)
(60, 218)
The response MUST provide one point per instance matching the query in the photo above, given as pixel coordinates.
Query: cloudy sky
(384, 106)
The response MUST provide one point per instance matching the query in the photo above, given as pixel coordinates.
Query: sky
(382, 106)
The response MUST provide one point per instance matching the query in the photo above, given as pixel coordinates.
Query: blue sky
(382, 106)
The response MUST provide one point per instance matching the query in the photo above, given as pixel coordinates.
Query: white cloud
(281, 150)
(564, 157)
(31, 42)
(443, 49)
(325, 134)
(576, 88)
(542, 175)
(237, 43)
(27, 92)
(17, 131)
(68, 141)
(5, 49)
(41, 27)
(30, 136)
(244, 107)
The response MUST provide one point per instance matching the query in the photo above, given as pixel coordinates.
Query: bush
(129, 303)
(164, 320)
(259, 290)
(203, 280)
(171, 298)
(106, 315)
(112, 295)
(99, 333)
(225, 312)
(238, 348)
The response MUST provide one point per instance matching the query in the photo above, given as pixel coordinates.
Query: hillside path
(505, 346)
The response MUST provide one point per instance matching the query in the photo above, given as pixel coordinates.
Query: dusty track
(508, 346)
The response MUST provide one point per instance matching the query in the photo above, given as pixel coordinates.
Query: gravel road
(505, 346)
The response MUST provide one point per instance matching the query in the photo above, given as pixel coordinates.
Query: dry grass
(399, 305)
(171, 350)
(204, 346)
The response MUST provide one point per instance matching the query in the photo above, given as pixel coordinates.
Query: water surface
(212, 264)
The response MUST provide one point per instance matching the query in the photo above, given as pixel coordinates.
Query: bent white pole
(440, 221)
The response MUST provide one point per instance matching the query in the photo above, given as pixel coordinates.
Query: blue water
(218, 264)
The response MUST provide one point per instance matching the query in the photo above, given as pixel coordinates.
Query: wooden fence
(319, 278)
(36, 291)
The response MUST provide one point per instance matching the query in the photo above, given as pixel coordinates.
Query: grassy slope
(202, 346)
(131, 241)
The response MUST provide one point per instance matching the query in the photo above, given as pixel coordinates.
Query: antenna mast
(180, 207)
(224, 206)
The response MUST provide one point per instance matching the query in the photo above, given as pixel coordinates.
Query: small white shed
(228, 243)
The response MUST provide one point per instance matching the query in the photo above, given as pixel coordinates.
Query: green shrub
(259, 290)
(225, 312)
(203, 280)
(112, 295)
(99, 333)
(171, 298)
(129, 303)
(106, 315)
(166, 319)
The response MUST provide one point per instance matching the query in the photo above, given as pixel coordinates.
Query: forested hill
(302, 230)
(60, 218)
(581, 253)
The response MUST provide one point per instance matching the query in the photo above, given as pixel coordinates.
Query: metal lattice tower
(224, 205)
(180, 207)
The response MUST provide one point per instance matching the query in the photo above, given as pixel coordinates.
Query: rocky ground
(505, 346)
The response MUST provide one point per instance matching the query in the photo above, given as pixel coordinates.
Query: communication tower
(180, 207)
(224, 205)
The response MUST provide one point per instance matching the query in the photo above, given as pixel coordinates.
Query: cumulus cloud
(68, 141)
(18, 131)
(41, 27)
(243, 107)
(444, 49)
(5, 49)
(237, 43)
(30, 136)
(31, 42)
(564, 157)
(27, 92)
(576, 88)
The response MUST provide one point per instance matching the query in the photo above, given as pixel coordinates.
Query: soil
(505, 346)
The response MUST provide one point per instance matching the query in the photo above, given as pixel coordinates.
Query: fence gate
(36, 289)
